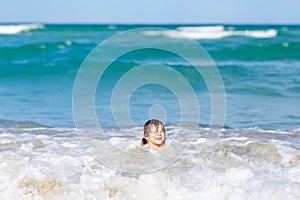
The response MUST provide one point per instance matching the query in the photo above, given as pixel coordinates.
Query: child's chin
(159, 141)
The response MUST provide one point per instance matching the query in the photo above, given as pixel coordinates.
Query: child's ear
(146, 137)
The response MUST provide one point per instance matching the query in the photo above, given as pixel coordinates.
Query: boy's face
(156, 135)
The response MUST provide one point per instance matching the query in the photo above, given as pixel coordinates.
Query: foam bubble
(68, 42)
(285, 44)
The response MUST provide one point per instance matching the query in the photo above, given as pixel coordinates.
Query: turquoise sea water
(259, 65)
(43, 155)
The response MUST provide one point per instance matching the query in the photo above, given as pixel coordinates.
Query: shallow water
(59, 163)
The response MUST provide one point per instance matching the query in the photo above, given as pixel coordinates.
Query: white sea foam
(52, 163)
(15, 29)
(258, 34)
(212, 32)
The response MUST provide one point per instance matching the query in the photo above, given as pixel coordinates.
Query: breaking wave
(15, 29)
(213, 32)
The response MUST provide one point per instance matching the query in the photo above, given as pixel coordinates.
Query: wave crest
(15, 29)
(213, 32)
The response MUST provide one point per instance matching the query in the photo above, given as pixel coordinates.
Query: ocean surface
(54, 84)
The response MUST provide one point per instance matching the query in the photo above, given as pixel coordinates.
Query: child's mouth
(159, 138)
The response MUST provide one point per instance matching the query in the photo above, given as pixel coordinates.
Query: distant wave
(213, 32)
(6, 123)
(15, 29)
